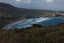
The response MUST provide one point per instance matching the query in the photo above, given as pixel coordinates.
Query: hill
(7, 10)
(9, 13)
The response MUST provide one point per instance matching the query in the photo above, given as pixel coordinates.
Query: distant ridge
(7, 10)
(6, 5)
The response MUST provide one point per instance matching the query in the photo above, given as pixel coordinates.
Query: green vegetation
(35, 34)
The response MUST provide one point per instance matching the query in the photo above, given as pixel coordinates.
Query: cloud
(23, 1)
(50, 1)
(18, 0)
(39, 4)
(27, 1)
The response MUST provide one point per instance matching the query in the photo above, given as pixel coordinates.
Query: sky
(37, 4)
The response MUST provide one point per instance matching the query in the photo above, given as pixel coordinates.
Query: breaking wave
(28, 22)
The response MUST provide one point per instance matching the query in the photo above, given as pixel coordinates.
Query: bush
(37, 25)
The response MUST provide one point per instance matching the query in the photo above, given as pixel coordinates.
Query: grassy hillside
(35, 34)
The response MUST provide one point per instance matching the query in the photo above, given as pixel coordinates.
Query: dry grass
(35, 34)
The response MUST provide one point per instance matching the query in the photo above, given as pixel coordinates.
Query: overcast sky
(38, 4)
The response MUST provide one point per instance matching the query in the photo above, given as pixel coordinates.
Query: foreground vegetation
(35, 34)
